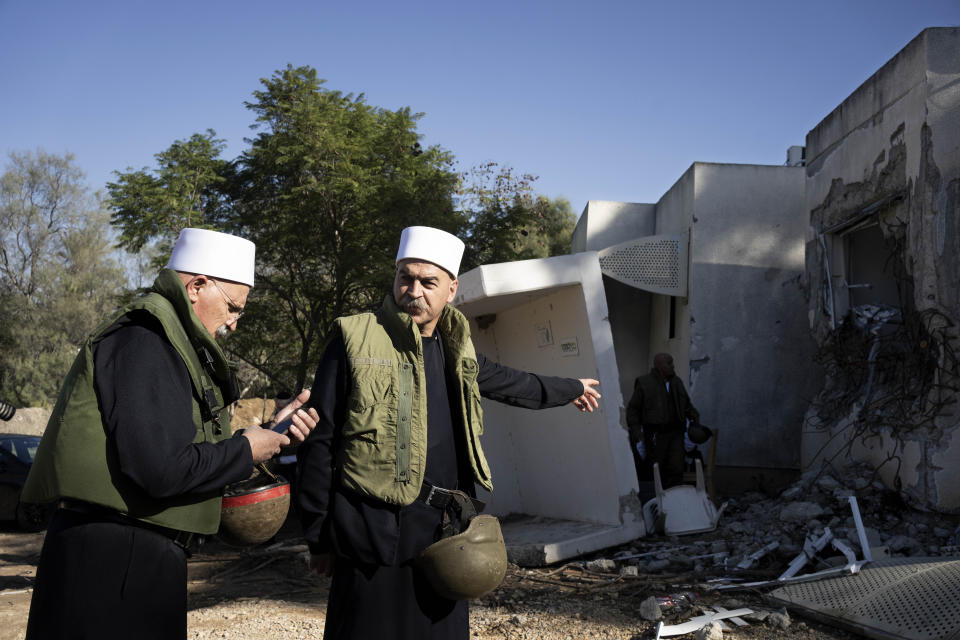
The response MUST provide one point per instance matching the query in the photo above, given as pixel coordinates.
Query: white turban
(431, 245)
(214, 254)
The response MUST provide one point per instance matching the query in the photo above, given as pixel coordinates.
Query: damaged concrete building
(883, 268)
(712, 274)
(875, 197)
(729, 313)
(811, 309)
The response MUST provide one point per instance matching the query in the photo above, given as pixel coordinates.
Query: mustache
(413, 305)
(222, 331)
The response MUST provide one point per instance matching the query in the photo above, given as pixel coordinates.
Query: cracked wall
(889, 155)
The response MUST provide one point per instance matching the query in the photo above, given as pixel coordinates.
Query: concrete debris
(601, 564)
(655, 566)
(753, 521)
(905, 544)
(778, 619)
(801, 512)
(757, 616)
(650, 609)
(849, 524)
(827, 484)
(791, 493)
(719, 546)
(813, 545)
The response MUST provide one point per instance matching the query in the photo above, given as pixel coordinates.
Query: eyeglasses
(235, 309)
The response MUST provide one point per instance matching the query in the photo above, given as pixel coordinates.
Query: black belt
(458, 508)
(182, 539)
(436, 496)
(443, 498)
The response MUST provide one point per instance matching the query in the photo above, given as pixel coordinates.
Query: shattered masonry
(883, 270)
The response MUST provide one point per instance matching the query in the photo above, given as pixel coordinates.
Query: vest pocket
(371, 402)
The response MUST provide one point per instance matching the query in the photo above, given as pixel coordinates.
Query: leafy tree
(324, 189)
(189, 188)
(497, 208)
(58, 275)
(552, 231)
(503, 221)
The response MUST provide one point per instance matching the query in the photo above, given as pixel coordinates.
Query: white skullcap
(432, 245)
(215, 254)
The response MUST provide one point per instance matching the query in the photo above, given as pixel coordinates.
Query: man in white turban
(139, 448)
(398, 392)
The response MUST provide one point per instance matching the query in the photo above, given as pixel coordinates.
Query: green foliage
(552, 231)
(324, 189)
(57, 273)
(505, 222)
(497, 207)
(187, 189)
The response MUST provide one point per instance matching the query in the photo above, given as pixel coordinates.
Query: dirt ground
(269, 594)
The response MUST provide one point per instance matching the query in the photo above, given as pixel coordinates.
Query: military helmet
(699, 433)
(254, 510)
(468, 565)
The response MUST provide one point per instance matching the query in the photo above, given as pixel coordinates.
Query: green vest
(382, 451)
(77, 460)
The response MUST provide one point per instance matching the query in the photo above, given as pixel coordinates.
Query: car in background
(16, 457)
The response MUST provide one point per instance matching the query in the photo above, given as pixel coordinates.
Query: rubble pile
(759, 535)
(671, 586)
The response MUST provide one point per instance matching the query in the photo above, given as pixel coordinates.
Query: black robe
(375, 591)
(102, 579)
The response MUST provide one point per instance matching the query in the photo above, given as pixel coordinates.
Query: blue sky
(601, 100)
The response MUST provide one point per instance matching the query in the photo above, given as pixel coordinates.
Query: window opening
(673, 317)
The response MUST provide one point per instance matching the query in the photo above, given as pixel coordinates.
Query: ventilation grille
(654, 263)
(912, 598)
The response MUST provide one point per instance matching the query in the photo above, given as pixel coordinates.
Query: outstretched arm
(589, 399)
(530, 390)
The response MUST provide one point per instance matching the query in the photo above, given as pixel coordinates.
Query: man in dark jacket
(398, 392)
(657, 416)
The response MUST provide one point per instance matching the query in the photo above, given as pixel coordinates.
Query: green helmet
(468, 565)
(699, 433)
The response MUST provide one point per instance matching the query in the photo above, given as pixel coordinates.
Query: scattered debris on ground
(624, 592)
